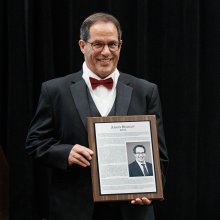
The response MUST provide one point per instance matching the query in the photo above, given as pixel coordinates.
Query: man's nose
(106, 49)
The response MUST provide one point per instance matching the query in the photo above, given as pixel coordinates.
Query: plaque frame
(95, 174)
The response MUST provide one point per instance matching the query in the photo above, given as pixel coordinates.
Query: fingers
(141, 201)
(80, 155)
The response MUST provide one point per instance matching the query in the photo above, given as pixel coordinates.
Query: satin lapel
(79, 94)
(123, 99)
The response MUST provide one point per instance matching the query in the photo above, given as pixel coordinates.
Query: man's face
(102, 62)
(140, 154)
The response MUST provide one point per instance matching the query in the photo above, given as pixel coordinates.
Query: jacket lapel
(124, 92)
(79, 93)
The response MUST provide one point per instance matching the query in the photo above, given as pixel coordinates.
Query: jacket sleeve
(154, 107)
(42, 141)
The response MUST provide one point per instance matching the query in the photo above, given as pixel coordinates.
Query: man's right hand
(80, 155)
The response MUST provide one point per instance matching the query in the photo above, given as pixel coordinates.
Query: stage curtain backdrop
(174, 44)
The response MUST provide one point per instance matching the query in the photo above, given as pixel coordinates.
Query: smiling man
(58, 132)
(140, 167)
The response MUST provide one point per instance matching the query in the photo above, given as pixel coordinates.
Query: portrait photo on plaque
(140, 161)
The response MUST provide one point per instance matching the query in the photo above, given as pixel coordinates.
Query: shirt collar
(140, 164)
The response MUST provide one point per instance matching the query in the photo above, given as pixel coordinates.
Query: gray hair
(97, 17)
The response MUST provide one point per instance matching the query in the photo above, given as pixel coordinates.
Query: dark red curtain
(174, 44)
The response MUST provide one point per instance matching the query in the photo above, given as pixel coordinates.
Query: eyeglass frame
(104, 44)
(140, 153)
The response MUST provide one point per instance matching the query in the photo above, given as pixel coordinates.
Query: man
(58, 132)
(140, 167)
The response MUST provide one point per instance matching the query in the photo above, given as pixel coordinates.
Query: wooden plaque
(120, 145)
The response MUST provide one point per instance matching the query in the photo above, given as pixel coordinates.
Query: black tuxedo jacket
(60, 122)
(135, 170)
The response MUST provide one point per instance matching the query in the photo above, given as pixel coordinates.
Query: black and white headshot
(140, 167)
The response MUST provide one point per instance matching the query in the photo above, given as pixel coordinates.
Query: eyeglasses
(98, 46)
(140, 153)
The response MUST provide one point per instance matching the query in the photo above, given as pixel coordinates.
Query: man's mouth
(104, 61)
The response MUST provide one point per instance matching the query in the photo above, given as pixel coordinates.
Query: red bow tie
(108, 83)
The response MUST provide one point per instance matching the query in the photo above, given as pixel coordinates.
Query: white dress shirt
(103, 98)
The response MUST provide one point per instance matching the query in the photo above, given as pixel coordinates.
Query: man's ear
(82, 44)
